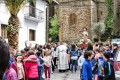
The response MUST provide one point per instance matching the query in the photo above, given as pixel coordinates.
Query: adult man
(62, 56)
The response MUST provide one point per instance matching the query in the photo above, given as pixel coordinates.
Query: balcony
(34, 14)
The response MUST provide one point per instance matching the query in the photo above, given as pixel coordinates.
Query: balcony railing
(33, 13)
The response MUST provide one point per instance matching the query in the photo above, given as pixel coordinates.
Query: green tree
(98, 29)
(54, 29)
(109, 17)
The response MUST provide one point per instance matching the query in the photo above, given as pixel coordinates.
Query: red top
(32, 67)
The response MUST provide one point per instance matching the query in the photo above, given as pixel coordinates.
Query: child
(31, 66)
(40, 65)
(87, 67)
(108, 67)
(73, 58)
(81, 60)
(99, 65)
(24, 55)
(17, 65)
(6, 73)
(47, 64)
(93, 62)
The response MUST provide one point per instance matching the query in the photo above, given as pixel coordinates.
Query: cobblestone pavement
(65, 76)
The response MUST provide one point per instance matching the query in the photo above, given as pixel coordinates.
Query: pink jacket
(10, 75)
(32, 67)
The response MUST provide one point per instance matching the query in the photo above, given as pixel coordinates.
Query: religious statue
(85, 33)
(84, 40)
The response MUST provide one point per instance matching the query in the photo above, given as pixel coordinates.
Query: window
(32, 35)
(4, 30)
(32, 9)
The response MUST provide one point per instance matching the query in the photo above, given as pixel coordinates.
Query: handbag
(74, 57)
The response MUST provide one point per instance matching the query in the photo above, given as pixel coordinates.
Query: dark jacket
(109, 70)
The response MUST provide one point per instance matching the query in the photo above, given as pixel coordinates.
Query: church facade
(75, 15)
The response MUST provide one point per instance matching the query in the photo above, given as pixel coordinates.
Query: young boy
(81, 60)
(40, 65)
(87, 67)
(108, 67)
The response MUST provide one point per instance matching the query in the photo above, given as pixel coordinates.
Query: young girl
(18, 67)
(31, 66)
(6, 73)
(47, 64)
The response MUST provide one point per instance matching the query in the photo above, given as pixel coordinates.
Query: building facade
(74, 15)
(32, 18)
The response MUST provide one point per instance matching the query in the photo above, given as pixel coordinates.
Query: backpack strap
(109, 68)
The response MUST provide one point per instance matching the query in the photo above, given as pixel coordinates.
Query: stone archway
(72, 19)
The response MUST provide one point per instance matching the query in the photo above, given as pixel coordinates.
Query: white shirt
(47, 60)
(54, 53)
(19, 67)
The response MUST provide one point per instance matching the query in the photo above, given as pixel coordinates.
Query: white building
(32, 19)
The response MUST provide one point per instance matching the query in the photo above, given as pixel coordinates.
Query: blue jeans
(40, 73)
(73, 65)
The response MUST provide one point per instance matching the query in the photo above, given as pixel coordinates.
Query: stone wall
(74, 18)
(72, 21)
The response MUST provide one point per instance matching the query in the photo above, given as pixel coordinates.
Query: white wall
(26, 24)
(4, 14)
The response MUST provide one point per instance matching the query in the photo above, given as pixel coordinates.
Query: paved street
(65, 76)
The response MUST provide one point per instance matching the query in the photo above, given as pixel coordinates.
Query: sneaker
(51, 72)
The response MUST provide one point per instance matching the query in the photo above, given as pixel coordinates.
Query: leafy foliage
(54, 29)
(98, 29)
(14, 6)
(9, 28)
(109, 18)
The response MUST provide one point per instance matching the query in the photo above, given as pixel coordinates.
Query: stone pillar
(93, 16)
(115, 17)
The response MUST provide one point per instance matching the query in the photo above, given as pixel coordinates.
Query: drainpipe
(47, 21)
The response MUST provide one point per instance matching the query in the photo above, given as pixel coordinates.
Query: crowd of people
(95, 61)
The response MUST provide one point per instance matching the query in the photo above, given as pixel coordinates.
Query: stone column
(115, 17)
(93, 16)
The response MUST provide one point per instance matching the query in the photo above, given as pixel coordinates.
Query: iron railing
(33, 12)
